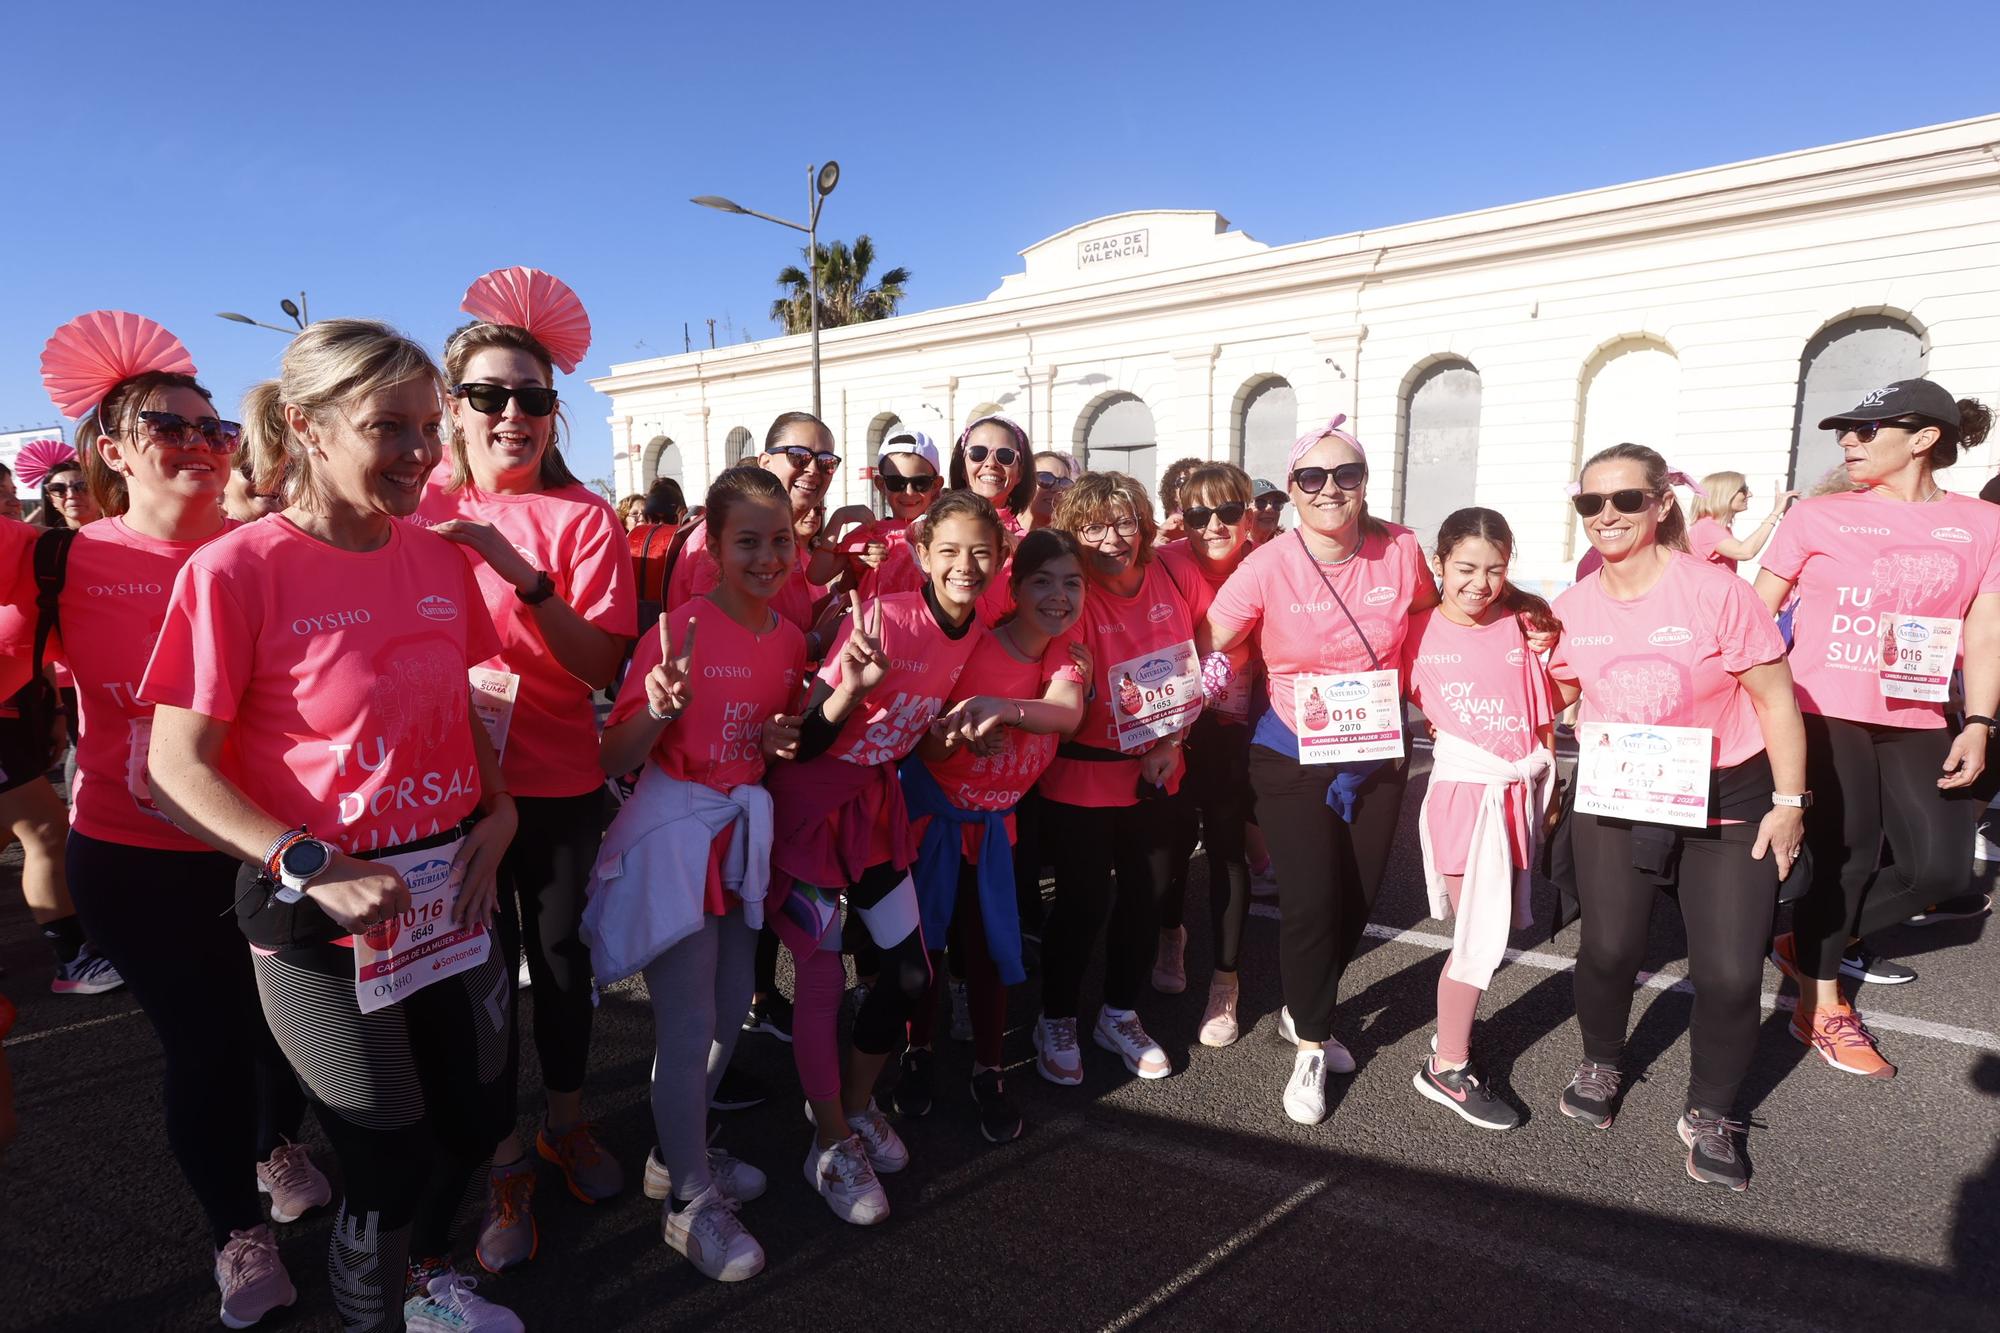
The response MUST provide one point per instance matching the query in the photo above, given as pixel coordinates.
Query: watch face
(304, 859)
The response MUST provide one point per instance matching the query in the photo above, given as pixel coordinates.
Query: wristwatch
(545, 588)
(1802, 801)
(303, 860)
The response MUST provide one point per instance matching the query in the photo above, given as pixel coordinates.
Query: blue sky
(381, 156)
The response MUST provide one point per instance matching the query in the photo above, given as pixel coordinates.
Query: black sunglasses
(1866, 431)
(1003, 455)
(897, 485)
(1312, 480)
(1270, 502)
(802, 457)
(491, 399)
(175, 431)
(62, 487)
(1049, 481)
(1196, 516)
(1589, 505)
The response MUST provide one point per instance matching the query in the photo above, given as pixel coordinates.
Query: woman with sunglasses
(1895, 583)
(551, 559)
(157, 901)
(1719, 499)
(992, 461)
(66, 498)
(1329, 603)
(1054, 474)
(1215, 801)
(1656, 639)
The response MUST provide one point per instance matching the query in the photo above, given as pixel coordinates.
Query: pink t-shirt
(17, 608)
(998, 781)
(575, 535)
(1860, 560)
(740, 680)
(924, 667)
(1671, 656)
(899, 571)
(1703, 536)
(1116, 630)
(1280, 588)
(1198, 586)
(996, 603)
(697, 573)
(341, 672)
(114, 601)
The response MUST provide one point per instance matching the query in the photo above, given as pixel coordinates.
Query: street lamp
(819, 184)
(297, 310)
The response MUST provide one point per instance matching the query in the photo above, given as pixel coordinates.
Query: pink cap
(1303, 445)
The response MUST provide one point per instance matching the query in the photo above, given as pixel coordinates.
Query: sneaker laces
(575, 1145)
(289, 1167)
(873, 1127)
(715, 1213)
(1714, 1135)
(1844, 1028)
(513, 1193)
(1131, 1032)
(454, 1291)
(1061, 1033)
(850, 1163)
(1595, 1081)
(249, 1257)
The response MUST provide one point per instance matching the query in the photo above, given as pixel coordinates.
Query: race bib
(493, 695)
(422, 945)
(1918, 654)
(1636, 771)
(1155, 695)
(1342, 719)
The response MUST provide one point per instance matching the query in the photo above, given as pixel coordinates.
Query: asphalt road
(1191, 1202)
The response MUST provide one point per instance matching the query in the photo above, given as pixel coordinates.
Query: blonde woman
(1724, 495)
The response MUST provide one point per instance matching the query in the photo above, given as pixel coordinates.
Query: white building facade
(1715, 315)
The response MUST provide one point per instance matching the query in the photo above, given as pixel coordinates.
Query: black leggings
(902, 970)
(163, 919)
(1089, 844)
(1726, 902)
(1868, 783)
(542, 882)
(1214, 805)
(1329, 872)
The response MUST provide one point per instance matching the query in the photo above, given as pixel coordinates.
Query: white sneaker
(886, 1151)
(1218, 1021)
(735, 1178)
(961, 1013)
(448, 1304)
(707, 1232)
(1127, 1039)
(1170, 962)
(1339, 1060)
(844, 1179)
(1056, 1056)
(1305, 1094)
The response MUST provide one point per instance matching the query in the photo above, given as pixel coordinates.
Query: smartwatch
(545, 588)
(1802, 801)
(302, 861)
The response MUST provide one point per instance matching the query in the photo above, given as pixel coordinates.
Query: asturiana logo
(1645, 742)
(1161, 611)
(1951, 534)
(1911, 632)
(1668, 635)
(435, 607)
(1347, 692)
(1153, 670)
(1379, 596)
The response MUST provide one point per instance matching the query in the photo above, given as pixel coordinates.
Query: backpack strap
(51, 571)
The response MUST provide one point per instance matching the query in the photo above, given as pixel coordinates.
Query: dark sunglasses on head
(1003, 455)
(1270, 503)
(897, 485)
(175, 431)
(1049, 481)
(1866, 431)
(1312, 480)
(1197, 516)
(491, 399)
(1589, 505)
(803, 458)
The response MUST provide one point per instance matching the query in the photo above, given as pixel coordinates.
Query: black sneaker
(998, 1120)
(1463, 1091)
(1965, 907)
(1592, 1094)
(737, 1091)
(1715, 1149)
(913, 1096)
(1864, 964)
(771, 1016)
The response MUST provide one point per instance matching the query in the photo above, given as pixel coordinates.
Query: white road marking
(27, 1037)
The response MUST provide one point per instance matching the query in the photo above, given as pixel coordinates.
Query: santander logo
(1669, 635)
(435, 607)
(1951, 534)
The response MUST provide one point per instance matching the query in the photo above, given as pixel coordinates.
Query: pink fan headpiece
(539, 302)
(38, 458)
(1332, 429)
(85, 359)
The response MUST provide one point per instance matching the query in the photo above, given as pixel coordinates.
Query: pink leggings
(1456, 1001)
(818, 984)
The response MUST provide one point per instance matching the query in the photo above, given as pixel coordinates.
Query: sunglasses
(1049, 481)
(1097, 532)
(1197, 516)
(491, 399)
(1312, 480)
(173, 431)
(1866, 431)
(1589, 505)
(1003, 455)
(897, 485)
(63, 487)
(1270, 504)
(803, 458)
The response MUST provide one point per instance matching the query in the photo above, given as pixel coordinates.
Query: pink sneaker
(295, 1185)
(252, 1277)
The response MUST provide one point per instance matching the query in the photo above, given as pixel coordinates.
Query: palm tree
(844, 294)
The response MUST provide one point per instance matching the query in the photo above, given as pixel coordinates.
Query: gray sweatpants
(700, 990)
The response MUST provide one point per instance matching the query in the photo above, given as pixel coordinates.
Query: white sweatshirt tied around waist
(1495, 896)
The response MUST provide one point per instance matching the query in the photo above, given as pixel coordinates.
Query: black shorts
(24, 744)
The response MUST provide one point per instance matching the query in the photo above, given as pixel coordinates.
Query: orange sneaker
(1785, 957)
(1840, 1039)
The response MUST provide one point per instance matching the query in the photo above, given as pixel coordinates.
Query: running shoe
(1218, 1021)
(1339, 1060)
(847, 1182)
(1864, 964)
(1126, 1038)
(449, 1303)
(998, 1120)
(508, 1235)
(1965, 907)
(1785, 957)
(1463, 1091)
(737, 1091)
(961, 1012)
(771, 1016)
(886, 1152)
(733, 1176)
(1840, 1039)
(1305, 1091)
(1056, 1056)
(295, 1185)
(913, 1096)
(252, 1277)
(591, 1173)
(1715, 1151)
(705, 1229)
(89, 973)
(1592, 1094)
(1170, 962)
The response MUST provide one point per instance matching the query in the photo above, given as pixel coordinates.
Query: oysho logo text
(125, 589)
(1863, 531)
(1310, 608)
(1589, 640)
(319, 624)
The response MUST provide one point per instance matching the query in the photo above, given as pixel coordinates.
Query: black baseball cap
(1904, 398)
(1262, 487)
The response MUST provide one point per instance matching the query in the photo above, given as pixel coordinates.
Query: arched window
(1265, 427)
(1843, 363)
(1440, 455)
(661, 459)
(1118, 436)
(737, 446)
(878, 431)
(1631, 394)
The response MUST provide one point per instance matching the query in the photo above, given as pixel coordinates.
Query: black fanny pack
(280, 927)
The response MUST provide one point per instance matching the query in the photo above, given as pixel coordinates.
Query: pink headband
(1675, 477)
(38, 458)
(1009, 422)
(539, 302)
(1303, 445)
(85, 359)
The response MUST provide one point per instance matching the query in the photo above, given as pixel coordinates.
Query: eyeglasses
(803, 458)
(491, 399)
(1049, 481)
(1197, 516)
(1590, 504)
(897, 485)
(1270, 503)
(1097, 532)
(1003, 455)
(171, 430)
(1312, 480)
(1866, 431)
(60, 488)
